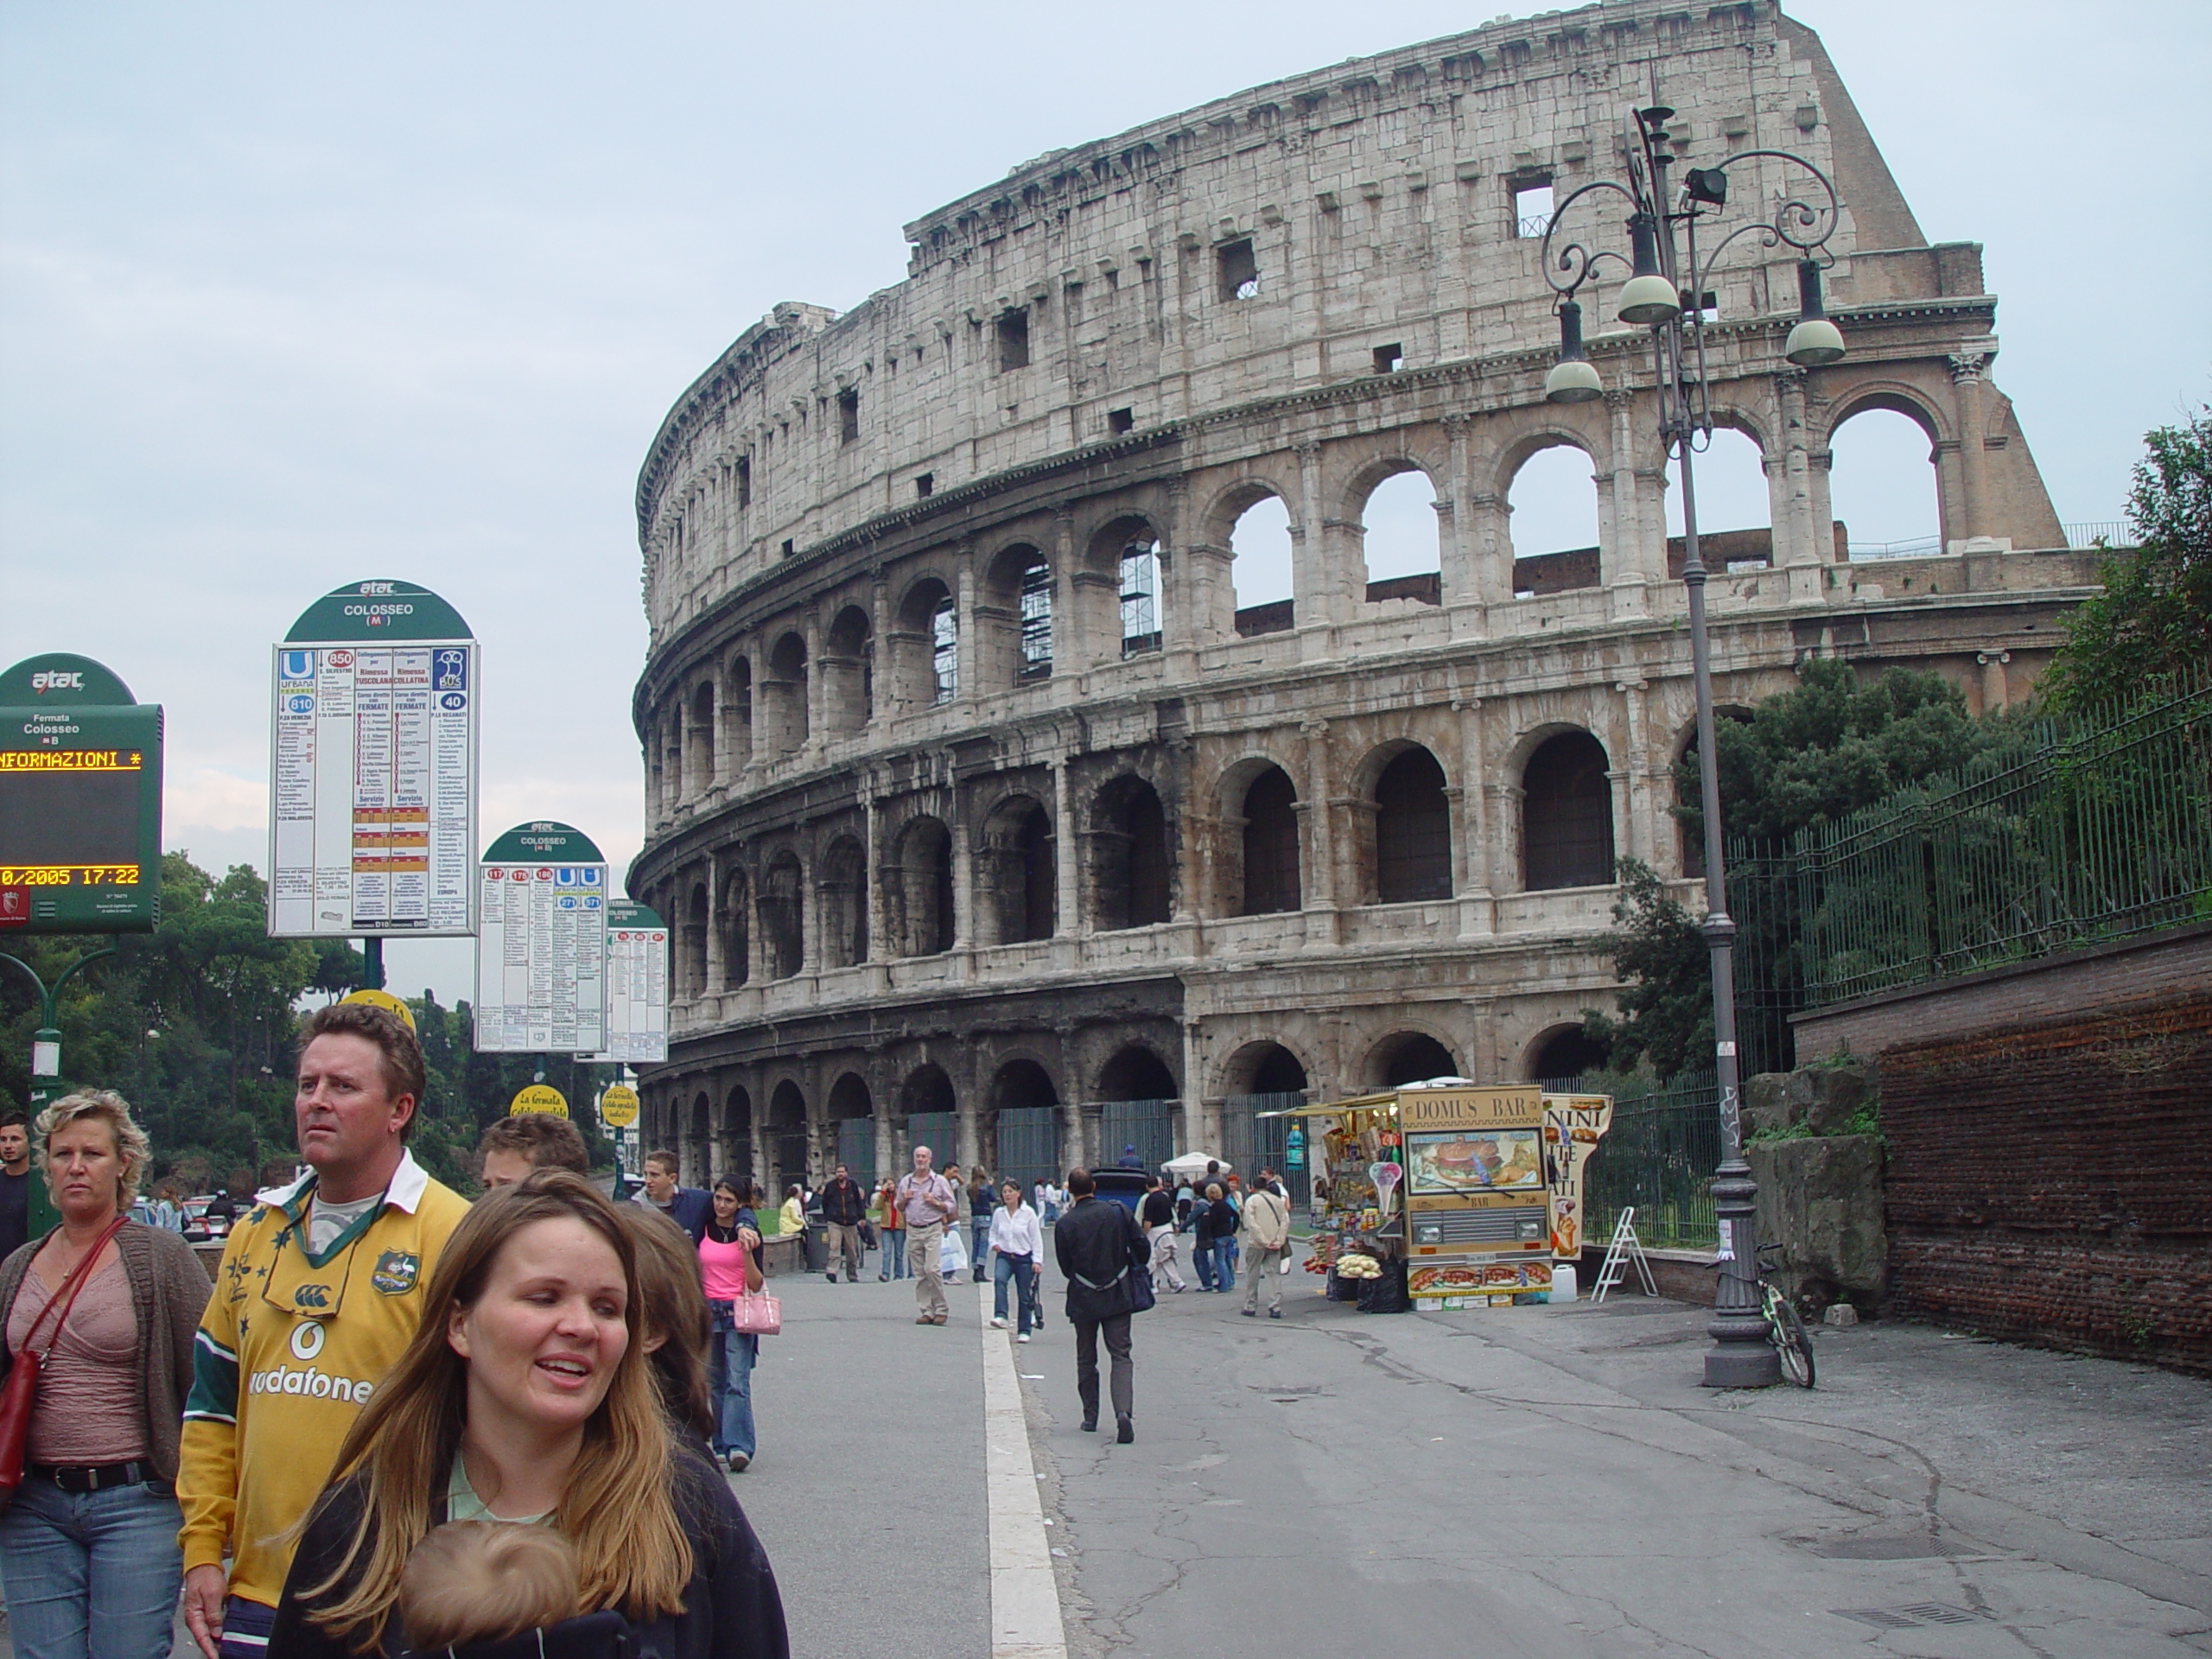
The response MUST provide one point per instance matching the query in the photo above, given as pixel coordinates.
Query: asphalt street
(1537, 1483)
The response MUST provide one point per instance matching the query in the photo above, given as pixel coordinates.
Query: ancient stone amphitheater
(984, 813)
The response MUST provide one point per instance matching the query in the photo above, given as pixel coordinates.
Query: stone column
(1639, 810)
(1462, 582)
(1319, 879)
(1630, 557)
(1995, 693)
(717, 975)
(1969, 379)
(816, 708)
(966, 654)
(963, 864)
(872, 875)
(1067, 918)
(1472, 822)
(1489, 533)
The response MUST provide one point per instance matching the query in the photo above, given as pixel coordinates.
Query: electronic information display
(541, 943)
(372, 770)
(80, 800)
(636, 985)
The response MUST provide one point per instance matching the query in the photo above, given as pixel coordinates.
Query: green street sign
(373, 611)
(541, 943)
(636, 985)
(80, 800)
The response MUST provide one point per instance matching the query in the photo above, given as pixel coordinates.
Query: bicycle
(1785, 1327)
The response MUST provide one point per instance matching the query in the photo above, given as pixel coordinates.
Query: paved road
(1530, 1482)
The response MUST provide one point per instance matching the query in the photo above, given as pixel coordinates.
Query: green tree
(2153, 620)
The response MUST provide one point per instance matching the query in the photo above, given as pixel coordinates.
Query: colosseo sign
(372, 771)
(541, 943)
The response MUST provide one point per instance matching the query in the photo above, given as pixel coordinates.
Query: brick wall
(2052, 1180)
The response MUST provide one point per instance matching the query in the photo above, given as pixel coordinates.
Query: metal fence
(2097, 828)
(1029, 1145)
(1658, 1155)
(1249, 1141)
(1147, 1125)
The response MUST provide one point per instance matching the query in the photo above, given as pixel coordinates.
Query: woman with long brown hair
(526, 1396)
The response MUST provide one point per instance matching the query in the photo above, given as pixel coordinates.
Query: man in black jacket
(1101, 1251)
(844, 1206)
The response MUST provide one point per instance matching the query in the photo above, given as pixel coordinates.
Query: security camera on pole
(1667, 293)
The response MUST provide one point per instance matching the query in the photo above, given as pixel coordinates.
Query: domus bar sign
(372, 770)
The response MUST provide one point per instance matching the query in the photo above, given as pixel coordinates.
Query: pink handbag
(756, 1313)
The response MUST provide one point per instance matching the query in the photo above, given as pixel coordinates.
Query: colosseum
(996, 804)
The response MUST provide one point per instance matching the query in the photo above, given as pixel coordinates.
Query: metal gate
(1147, 1125)
(856, 1147)
(1249, 1141)
(939, 1132)
(1029, 1145)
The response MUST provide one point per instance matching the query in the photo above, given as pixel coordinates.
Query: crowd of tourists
(392, 1422)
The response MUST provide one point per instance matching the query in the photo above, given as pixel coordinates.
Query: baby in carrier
(500, 1589)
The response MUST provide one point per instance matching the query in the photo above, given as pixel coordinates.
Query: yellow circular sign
(385, 1000)
(618, 1107)
(539, 1097)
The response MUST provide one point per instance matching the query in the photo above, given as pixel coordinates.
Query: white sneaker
(1024, 1336)
(998, 1325)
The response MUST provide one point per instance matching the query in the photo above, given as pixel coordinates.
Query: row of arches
(745, 915)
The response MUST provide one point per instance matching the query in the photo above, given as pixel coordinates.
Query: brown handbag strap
(65, 1298)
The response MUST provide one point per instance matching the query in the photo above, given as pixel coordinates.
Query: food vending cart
(1472, 1192)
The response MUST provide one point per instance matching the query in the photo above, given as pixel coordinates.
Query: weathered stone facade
(970, 790)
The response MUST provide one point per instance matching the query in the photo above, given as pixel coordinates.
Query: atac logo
(396, 1272)
(311, 1299)
(55, 680)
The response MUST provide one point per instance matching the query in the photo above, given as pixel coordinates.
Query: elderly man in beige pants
(929, 1202)
(1266, 1231)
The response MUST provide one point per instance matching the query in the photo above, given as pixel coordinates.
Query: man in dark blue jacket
(1102, 1250)
(687, 1206)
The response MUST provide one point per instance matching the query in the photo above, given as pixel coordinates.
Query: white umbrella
(1191, 1164)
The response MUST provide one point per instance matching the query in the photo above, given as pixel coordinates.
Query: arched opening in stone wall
(783, 915)
(1689, 838)
(737, 1136)
(737, 931)
(1136, 1101)
(1410, 1057)
(699, 736)
(1130, 866)
(696, 1161)
(1271, 839)
(1018, 874)
(787, 1137)
(844, 904)
(737, 714)
(1566, 815)
(1135, 1074)
(1564, 1055)
(1735, 515)
(1025, 1119)
(669, 735)
(929, 1110)
(1413, 830)
(927, 650)
(849, 672)
(1401, 539)
(1553, 502)
(784, 694)
(1143, 578)
(851, 1127)
(1278, 1073)
(696, 925)
(921, 894)
(1882, 482)
(1014, 622)
(1260, 568)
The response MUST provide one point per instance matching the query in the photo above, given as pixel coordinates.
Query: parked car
(201, 1228)
(1121, 1186)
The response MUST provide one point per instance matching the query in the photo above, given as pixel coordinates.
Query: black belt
(94, 1477)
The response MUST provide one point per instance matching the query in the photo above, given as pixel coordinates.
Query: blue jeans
(1202, 1259)
(730, 1357)
(1022, 1270)
(1224, 1263)
(979, 1236)
(92, 1575)
(893, 1243)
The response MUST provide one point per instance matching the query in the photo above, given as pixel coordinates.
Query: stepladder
(1621, 1251)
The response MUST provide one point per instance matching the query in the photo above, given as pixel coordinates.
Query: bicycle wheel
(1791, 1340)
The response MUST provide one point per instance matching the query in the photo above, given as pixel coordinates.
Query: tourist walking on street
(929, 1202)
(891, 1234)
(1156, 1215)
(1102, 1250)
(983, 1200)
(1215, 1229)
(322, 1279)
(844, 1207)
(1017, 1243)
(110, 1308)
(730, 1266)
(1266, 1226)
(525, 1396)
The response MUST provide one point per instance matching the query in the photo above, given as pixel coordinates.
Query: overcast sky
(292, 296)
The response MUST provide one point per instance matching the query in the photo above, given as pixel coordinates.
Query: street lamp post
(1666, 292)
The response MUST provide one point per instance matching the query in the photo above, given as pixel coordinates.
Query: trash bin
(1386, 1293)
(816, 1238)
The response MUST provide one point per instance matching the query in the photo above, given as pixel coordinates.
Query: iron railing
(2096, 827)
(1659, 1155)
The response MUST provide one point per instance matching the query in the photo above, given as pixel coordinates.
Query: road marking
(1025, 1597)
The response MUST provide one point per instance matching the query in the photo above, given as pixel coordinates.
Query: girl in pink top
(729, 1266)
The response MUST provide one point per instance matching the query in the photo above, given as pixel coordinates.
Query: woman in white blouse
(1017, 1245)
